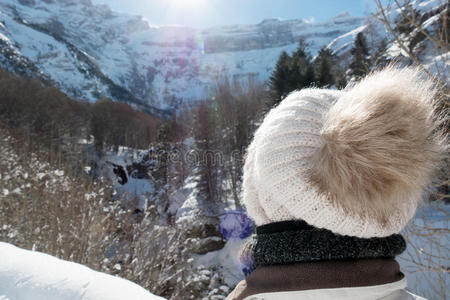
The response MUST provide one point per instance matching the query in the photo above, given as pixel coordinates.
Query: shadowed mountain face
(90, 51)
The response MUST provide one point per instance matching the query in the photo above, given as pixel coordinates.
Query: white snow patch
(29, 275)
(229, 258)
(425, 261)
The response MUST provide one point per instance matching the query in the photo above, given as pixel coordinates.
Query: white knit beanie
(355, 161)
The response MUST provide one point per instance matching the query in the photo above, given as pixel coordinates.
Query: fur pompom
(380, 144)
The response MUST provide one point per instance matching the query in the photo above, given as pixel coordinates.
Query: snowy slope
(432, 57)
(89, 50)
(426, 258)
(29, 275)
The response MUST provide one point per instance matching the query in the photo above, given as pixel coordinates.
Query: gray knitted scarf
(296, 241)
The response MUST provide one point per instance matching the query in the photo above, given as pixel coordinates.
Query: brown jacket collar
(318, 275)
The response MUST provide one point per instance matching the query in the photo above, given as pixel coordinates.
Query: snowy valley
(89, 51)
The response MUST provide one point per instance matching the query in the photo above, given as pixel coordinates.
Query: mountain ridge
(90, 51)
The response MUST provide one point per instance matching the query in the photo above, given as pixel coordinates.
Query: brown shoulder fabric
(318, 275)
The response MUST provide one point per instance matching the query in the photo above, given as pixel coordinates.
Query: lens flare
(183, 10)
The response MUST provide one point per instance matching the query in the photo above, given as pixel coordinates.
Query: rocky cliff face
(273, 33)
(90, 51)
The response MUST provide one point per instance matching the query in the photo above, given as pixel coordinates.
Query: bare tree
(427, 258)
(438, 39)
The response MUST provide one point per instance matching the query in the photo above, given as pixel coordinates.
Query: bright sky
(207, 13)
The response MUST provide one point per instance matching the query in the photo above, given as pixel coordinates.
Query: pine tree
(324, 73)
(279, 80)
(404, 24)
(379, 57)
(308, 78)
(302, 72)
(360, 64)
(292, 72)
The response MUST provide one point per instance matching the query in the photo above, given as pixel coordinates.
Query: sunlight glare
(188, 5)
(187, 10)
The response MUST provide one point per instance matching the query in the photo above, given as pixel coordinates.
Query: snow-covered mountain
(90, 51)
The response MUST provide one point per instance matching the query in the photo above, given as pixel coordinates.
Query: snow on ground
(29, 275)
(135, 188)
(345, 42)
(426, 259)
(229, 258)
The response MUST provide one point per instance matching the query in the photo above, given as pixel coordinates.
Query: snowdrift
(29, 275)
